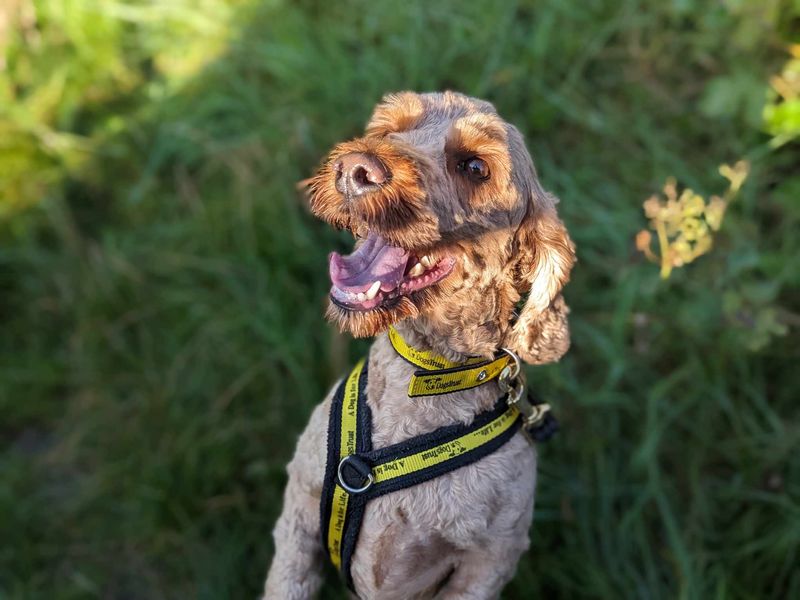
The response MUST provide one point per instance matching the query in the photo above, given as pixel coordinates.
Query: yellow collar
(442, 376)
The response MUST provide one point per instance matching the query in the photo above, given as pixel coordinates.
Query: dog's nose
(358, 173)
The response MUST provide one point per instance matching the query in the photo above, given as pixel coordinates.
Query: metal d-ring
(510, 372)
(347, 488)
(512, 379)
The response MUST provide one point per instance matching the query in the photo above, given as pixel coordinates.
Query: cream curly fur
(459, 535)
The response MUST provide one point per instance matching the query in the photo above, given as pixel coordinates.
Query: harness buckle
(512, 379)
(511, 371)
(360, 467)
(535, 414)
(538, 423)
(532, 413)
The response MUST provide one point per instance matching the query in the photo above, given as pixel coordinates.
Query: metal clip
(511, 379)
(511, 371)
(370, 479)
(512, 382)
(532, 414)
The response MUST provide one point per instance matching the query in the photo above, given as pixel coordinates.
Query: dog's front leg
(483, 574)
(490, 565)
(296, 570)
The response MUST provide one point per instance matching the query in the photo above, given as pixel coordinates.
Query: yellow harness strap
(442, 376)
(347, 446)
(356, 473)
(447, 451)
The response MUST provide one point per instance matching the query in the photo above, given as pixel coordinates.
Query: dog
(461, 251)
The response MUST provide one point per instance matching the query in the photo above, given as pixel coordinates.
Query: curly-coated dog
(461, 252)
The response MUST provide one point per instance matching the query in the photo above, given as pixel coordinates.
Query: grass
(161, 284)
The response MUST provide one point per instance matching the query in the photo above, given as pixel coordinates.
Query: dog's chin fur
(372, 322)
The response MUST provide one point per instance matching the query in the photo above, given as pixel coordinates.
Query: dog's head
(453, 229)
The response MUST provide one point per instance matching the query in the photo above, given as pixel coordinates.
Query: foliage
(684, 223)
(70, 76)
(161, 284)
(782, 111)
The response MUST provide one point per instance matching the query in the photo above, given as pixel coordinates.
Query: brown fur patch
(401, 514)
(503, 232)
(396, 112)
(397, 210)
(483, 136)
(384, 551)
(418, 557)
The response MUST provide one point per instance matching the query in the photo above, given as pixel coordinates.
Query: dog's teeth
(373, 290)
(361, 296)
(426, 261)
(417, 270)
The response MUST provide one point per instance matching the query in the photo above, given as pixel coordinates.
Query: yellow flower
(703, 245)
(671, 189)
(693, 229)
(643, 240)
(652, 207)
(715, 211)
(672, 217)
(735, 174)
(693, 204)
(683, 252)
(683, 223)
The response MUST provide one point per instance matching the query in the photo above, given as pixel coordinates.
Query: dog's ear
(544, 258)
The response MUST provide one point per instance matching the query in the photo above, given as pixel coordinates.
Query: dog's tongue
(374, 260)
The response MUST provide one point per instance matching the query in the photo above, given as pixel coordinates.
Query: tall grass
(161, 284)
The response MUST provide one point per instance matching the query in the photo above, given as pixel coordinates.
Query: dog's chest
(415, 536)
(411, 539)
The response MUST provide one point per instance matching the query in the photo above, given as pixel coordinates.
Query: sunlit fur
(504, 232)
(459, 535)
(397, 112)
(486, 136)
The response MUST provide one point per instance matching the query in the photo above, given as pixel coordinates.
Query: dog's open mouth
(377, 274)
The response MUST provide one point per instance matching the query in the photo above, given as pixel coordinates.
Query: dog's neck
(396, 416)
(454, 345)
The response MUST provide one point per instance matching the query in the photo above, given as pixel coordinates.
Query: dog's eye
(474, 168)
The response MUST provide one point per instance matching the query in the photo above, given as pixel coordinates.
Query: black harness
(355, 473)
